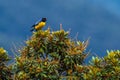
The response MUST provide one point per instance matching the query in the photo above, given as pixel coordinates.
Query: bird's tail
(32, 28)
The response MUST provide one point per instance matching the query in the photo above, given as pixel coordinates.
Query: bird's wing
(36, 23)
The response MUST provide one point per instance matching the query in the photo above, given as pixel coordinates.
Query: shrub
(5, 72)
(50, 55)
(53, 55)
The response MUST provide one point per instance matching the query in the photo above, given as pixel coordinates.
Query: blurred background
(97, 19)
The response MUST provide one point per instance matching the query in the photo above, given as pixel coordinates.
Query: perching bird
(39, 25)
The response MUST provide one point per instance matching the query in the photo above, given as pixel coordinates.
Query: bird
(39, 24)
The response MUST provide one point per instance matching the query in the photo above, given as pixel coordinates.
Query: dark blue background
(98, 19)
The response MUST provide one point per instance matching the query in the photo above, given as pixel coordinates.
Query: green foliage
(5, 72)
(53, 55)
(47, 55)
(107, 68)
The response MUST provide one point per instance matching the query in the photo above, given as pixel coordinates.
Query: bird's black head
(44, 20)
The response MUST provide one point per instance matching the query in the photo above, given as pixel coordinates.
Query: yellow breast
(40, 25)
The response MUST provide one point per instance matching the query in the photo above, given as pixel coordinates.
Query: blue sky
(98, 19)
